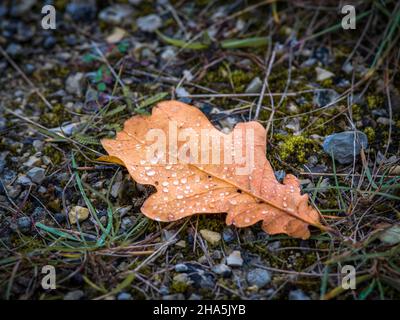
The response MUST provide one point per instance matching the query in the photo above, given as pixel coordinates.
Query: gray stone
(24, 180)
(312, 160)
(323, 74)
(32, 161)
(216, 255)
(116, 189)
(258, 277)
(343, 83)
(164, 290)
(118, 14)
(149, 23)
(385, 121)
(37, 175)
(24, 224)
(126, 223)
(14, 191)
(254, 86)
(308, 63)
(323, 55)
(75, 84)
(181, 244)
(222, 269)
(49, 42)
(67, 129)
(124, 296)
(168, 54)
(168, 235)
(293, 125)
(292, 108)
(42, 190)
(228, 235)
(82, 10)
(38, 214)
(227, 123)
(123, 211)
(280, 175)
(182, 278)
(202, 260)
(14, 50)
(181, 92)
(211, 237)
(325, 97)
(181, 267)
(345, 145)
(347, 68)
(74, 295)
(235, 259)
(38, 145)
(298, 295)
(91, 95)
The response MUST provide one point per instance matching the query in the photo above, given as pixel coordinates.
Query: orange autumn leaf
(187, 186)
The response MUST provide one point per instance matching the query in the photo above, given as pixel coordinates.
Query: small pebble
(235, 259)
(78, 213)
(24, 180)
(49, 42)
(345, 145)
(181, 244)
(117, 14)
(228, 235)
(124, 296)
(254, 86)
(298, 295)
(181, 267)
(126, 223)
(149, 23)
(324, 97)
(210, 236)
(222, 269)
(258, 277)
(37, 174)
(14, 50)
(323, 74)
(74, 295)
(75, 84)
(385, 121)
(24, 224)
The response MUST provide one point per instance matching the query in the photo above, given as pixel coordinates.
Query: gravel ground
(329, 100)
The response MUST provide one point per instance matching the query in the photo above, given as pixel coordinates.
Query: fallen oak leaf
(185, 188)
